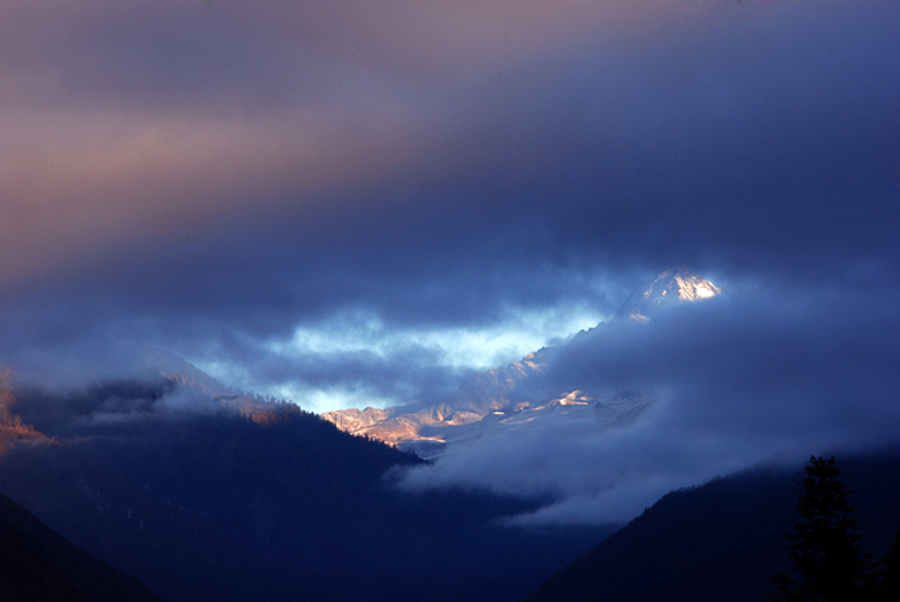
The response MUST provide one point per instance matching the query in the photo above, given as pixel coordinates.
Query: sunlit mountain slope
(513, 396)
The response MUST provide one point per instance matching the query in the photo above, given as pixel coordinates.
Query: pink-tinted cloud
(211, 175)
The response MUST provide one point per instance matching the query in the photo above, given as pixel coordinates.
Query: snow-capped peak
(671, 287)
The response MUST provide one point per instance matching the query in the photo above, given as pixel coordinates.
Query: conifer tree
(890, 565)
(824, 545)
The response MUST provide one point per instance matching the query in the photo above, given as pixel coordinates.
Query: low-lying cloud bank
(752, 377)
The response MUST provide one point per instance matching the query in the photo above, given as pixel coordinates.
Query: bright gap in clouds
(464, 347)
(457, 349)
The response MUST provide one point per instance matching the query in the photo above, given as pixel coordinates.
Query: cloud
(120, 407)
(760, 376)
(213, 177)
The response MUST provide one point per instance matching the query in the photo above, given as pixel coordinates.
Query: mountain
(37, 565)
(723, 540)
(205, 496)
(203, 492)
(519, 394)
(426, 426)
(672, 287)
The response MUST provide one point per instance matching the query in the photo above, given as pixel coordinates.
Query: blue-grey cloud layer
(212, 176)
(745, 379)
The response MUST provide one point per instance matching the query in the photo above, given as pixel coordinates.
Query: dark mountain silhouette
(37, 565)
(244, 499)
(723, 540)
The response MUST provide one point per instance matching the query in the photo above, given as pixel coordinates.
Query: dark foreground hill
(721, 541)
(237, 499)
(37, 565)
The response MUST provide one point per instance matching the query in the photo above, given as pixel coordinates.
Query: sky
(362, 202)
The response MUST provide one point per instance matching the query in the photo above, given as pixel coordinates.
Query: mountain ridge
(38, 564)
(209, 499)
(511, 395)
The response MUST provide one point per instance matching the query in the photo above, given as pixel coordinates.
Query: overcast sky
(359, 202)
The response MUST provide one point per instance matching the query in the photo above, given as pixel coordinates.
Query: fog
(749, 378)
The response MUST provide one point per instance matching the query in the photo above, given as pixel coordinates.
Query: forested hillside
(37, 565)
(724, 540)
(244, 499)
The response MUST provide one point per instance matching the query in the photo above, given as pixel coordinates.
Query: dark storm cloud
(212, 176)
(753, 377)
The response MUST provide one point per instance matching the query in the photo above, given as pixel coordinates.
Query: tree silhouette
(889, 585)
(824, 545)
